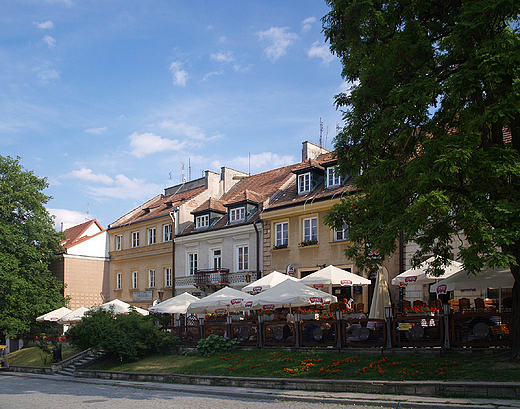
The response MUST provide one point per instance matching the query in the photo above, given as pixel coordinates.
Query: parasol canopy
(223, 300)
(289, 293)
(266, 282)
(499, 277)
(335, 276)
(54, 315)
(174, 305)
(119, 307)
(420, 274)
(73, 316)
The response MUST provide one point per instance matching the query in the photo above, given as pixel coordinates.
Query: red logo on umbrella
(236, 301)
(442, 289)
(410, 279)
(220, 311)
(257, 289)
(268, 307)
(318, 285)
(248, 304)
(316, 299)
(346, 282)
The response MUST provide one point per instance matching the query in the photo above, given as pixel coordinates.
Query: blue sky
(108, 99)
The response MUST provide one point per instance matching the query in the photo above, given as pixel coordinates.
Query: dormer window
(304, 183)
(333, 177)
(202, 221)
(237, 214)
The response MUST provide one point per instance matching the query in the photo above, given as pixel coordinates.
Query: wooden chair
(405, 304)
(418, 303)
(479, 304)
(464, 304)
(454, 304)
(360, 306)
(507, 304)
(488, 304)
(437, 303)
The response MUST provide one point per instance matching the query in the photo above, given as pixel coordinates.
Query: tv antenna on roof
(321, 133)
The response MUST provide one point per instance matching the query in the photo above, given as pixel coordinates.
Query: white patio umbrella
(380, 299)
(266, 282)
(225, 299)
(119, 307)
(54, 315)
(73, 316)
(499, 277)
(334, 276)
(420, 275)
(289, 293)
(174, 305)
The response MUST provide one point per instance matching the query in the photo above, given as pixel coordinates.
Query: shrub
(124, 337)
(213, 344)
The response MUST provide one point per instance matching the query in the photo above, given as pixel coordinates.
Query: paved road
(24, 392)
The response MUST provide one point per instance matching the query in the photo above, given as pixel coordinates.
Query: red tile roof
(75, 234)
(210, 204)
(158, 206)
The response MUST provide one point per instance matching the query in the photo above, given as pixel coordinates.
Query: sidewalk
(401, 401)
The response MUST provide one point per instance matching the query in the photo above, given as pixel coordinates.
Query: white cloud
(307, 24)
(50, 41)
(96, 131)
(321, 51)
(86, 174)
(223, 57)
(180, 76)
(126, 188)
(189, 131)
(67, 216)
(261, 162)
(346, 87)
(280, 39)
(46, 75)
(210, 74)
(146, 143)
(45, 25)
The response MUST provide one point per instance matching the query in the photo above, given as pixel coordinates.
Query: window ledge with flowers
(308, 243)
(280, 247)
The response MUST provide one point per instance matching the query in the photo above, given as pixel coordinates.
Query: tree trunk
(514, 327)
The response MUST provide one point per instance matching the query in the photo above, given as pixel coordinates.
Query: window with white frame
(119, 242)
(167, 232)
(202, 221)
(151, 278)
(242, 258)
(135, 280)
(135, 239)
(310, 230)
(237, 214)
(217, 258)
(192, 263)
(304, 183)
(167, 277)
(152, 236)
(341, 234)
(333, 177)
(281, 234)
(119, 281)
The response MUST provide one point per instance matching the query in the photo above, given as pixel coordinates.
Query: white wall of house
(96, 246)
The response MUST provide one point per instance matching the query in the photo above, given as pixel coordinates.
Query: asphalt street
(22, 392)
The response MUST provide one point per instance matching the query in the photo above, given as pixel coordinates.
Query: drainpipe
(257, 250)
(172, 216)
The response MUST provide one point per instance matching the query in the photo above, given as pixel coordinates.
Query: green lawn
(330, 365)
(34, 356)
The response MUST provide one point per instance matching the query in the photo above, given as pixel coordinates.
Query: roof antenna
(249, 163)
(321, 133)
(189, 169)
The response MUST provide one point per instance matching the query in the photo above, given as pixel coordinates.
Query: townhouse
(83, 266)
(223, 244)
(142, 249)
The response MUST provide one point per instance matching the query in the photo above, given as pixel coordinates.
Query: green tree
(124, 337)
(28, 243)
(432, 124)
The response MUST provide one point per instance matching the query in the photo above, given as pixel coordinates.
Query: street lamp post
(172, 216)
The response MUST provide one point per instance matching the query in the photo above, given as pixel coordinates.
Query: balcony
(213, 279)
